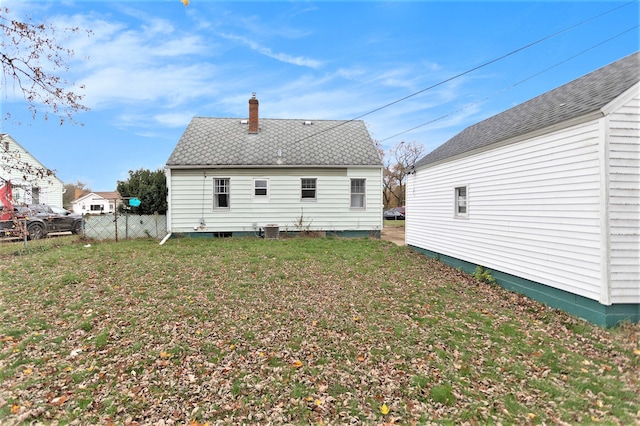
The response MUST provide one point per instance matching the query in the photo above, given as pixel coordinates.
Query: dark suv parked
(43, 219)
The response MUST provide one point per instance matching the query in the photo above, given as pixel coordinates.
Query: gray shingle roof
(579, 97)
(279, 142)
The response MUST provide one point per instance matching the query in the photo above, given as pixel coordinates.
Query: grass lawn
(393, 223)
(297, 331)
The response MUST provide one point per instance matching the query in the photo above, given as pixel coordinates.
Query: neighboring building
(545, 195)
(231, 176)
(32, 182)
(96, 203)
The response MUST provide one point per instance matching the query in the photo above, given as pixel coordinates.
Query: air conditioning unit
(271, 232)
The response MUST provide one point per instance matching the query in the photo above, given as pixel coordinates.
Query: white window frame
(362, 194)
(461, 202)
(308, 189)
(254, 188)
(216, 203)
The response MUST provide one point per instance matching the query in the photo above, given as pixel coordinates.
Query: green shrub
(484, 275)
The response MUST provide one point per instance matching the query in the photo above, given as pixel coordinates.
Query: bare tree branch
(398, 164)
(31, 59)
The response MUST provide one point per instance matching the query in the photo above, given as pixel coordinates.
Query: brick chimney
(253, 114)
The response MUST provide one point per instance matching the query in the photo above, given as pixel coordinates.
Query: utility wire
(506, 55)
(512, 86)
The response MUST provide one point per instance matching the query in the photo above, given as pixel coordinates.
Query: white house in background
(96, 203)
(32, 182)
(546, 196)
(231, 176)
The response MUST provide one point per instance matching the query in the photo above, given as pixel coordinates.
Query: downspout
(166, 237)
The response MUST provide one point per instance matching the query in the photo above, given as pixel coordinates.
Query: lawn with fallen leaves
(291, 331)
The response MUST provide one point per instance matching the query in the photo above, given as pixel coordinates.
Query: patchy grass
(292, 331)
(393, 223)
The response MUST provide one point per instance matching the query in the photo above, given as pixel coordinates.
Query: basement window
(460, 202)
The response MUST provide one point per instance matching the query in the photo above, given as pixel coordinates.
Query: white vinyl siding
(330, 212)
(536, 209)
(624, 202)
(48, 189)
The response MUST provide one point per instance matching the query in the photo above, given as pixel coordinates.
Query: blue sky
(150, 66)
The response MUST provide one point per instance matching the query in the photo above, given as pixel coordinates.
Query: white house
(545, 196)
(32, 182)
(96, 202)
(231, 176)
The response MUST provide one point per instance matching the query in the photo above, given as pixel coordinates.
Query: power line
(513, 52)
(513, 85)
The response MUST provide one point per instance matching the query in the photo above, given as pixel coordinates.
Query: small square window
(260, 188)
(308, 189)
(461, 205)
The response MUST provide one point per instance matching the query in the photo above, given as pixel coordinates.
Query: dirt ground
(395, 234)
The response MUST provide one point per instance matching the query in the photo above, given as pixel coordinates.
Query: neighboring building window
(461, 208)
(35, 195)
(221, 193)
(96, 208)
(357, 193)
(260, 188)
(308, 189)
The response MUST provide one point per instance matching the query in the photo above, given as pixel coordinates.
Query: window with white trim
(461, 205)
(308, 188)
(221, 193)
(358, 193)
(260, 188)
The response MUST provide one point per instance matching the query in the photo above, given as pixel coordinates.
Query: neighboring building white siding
(47, 190)
(191, 198)
(93, 204)
(624, 202)
(533, 209)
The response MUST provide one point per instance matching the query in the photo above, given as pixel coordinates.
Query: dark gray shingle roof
(279, 142)
(579, 97)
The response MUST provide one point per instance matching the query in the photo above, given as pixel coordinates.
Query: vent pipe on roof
(253, 114)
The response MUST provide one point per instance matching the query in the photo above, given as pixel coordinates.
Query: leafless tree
(31, 61)
(398, 163)
(70, 191)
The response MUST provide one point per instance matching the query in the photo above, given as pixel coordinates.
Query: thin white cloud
(175, 120)
(282, 57)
